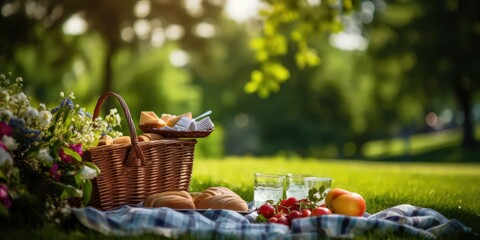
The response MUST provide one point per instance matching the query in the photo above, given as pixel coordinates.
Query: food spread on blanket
(211, 198)
(337, 200)
(183, 122)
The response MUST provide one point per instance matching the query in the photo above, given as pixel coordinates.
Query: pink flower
(65, 158)
(5, 129)
(4, 198)
(54, 172)
(77, 148)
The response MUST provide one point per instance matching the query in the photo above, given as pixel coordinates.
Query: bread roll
(152, 136)
(143, 138)
(170, 199)
(220, 198)
(122, 140)
(105, 140)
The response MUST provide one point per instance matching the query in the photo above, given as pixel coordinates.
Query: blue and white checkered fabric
(222, 224)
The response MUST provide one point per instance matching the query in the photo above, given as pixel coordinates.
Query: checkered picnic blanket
(225, 224)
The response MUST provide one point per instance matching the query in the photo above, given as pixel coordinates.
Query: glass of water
(319, 184)
(267, 187)
(296, 186)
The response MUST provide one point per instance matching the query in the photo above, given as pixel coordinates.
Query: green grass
(439, 146)
(450, 188)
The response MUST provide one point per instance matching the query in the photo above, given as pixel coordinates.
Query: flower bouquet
(41, 150)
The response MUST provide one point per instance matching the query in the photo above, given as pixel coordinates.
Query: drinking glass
(267, 187)
(321, 185)
(296, 186)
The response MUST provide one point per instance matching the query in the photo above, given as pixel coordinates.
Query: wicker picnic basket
(130, 172)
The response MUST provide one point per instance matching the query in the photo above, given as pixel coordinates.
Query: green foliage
(291, 21)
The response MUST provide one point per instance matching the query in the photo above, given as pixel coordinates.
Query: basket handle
(136, 157)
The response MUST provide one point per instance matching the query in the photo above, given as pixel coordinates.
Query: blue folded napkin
(225, 224)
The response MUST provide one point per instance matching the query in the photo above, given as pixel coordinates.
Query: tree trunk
(463, 93)
(107, 74)
(111, 47)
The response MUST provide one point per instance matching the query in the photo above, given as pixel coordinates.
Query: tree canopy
(322, 77)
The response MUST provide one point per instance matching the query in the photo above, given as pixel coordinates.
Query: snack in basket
(105, 140)
(220, 198)
(122, 140)
(170, 199)
(150, 119)
(184, 122)
(151, 137)
(173, 120)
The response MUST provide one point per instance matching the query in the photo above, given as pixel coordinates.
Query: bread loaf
(220, 198)
(152, 136)
(122, 140)
(170, 199)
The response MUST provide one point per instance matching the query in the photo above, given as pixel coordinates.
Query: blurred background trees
(310, 78)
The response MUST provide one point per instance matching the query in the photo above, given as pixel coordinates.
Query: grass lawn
(450, 188)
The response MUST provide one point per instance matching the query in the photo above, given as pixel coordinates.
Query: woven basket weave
(130, 172)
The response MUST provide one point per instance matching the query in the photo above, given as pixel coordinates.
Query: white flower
(9, 142)
(4, 95)
(44, 155)
(31, 114)
(42, 106)
(44, 117)
(88, 172)
(71, 96)
(5, 113)
(79, 192)
(20, 99)
(62, 94)
(5, 157)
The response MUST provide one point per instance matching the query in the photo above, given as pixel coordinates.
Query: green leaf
(66, 116)
(92, 165)
(300, 60)
(261, 219)
(87, 192)
(72, 153)
(4, 211)
(78, 178)
(257, 43)
(67, 191)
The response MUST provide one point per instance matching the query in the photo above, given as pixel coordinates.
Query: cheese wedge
(149, 118)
